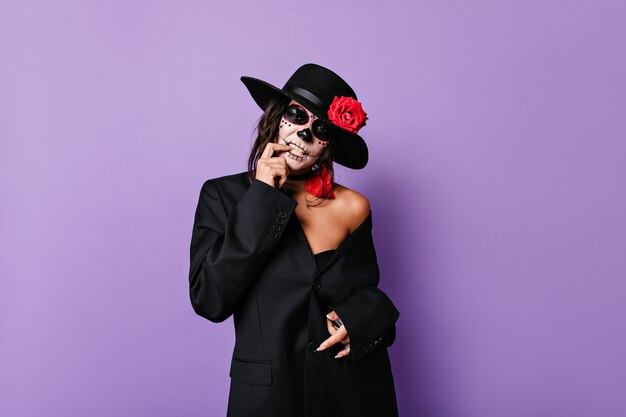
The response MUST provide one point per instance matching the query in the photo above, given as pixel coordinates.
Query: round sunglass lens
(296, 115)
(321, 130)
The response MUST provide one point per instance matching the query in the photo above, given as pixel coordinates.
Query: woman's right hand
(273, 170)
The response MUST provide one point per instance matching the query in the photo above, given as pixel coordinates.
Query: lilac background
(496, 181)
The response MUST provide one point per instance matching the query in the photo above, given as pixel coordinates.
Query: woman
(289, 253)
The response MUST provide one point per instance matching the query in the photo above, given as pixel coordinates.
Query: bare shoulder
(354, 206)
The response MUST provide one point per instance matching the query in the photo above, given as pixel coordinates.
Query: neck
(301, 177)
(296, 183)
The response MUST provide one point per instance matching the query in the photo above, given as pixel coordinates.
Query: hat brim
(350, 150)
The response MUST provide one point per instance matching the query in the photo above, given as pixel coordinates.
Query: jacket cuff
(369, 317)
(264, 211)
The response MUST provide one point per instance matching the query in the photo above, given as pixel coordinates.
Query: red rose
(347, 113)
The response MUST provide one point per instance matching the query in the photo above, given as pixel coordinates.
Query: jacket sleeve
(367, 313)
(369, 317)
(228, 250)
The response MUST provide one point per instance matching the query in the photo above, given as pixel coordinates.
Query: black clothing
(250, 259)
(322, 257)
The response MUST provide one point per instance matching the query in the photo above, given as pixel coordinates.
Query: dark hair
(267, 130)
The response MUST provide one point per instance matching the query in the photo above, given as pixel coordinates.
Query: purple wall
(496, 179)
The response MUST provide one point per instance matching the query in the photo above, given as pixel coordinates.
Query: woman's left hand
(339, 334)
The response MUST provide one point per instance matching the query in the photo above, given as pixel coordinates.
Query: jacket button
(282, 214)
(312, 346)
(280, 221)
(273, 234)
(276, 228)
(317, 285)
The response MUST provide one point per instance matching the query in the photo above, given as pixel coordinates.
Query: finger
(272, 147)
(276, 163)
(282, 179)
(339, 334)
(343, 352)
(277, 168)
(332, 315)
(268, 151)
(331, 328)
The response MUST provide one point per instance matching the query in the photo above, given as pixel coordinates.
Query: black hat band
(306, 94)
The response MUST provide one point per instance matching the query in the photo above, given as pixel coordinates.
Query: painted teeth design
(297, 158)
(296, 150)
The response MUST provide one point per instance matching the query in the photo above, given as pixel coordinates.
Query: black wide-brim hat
(315, 87)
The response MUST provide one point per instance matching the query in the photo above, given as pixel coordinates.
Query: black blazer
(250, 259)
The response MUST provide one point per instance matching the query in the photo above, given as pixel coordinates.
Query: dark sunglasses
(297, 115)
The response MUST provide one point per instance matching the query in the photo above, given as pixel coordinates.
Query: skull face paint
(305, 133)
